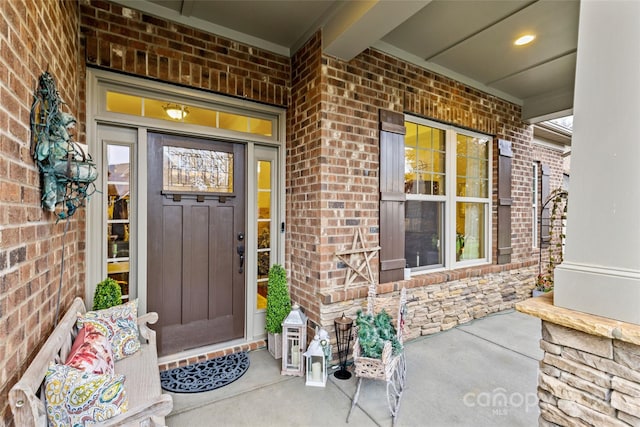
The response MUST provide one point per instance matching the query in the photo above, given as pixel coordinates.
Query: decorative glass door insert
(197, 170)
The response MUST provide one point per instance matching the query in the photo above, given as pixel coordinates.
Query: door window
(188, 169)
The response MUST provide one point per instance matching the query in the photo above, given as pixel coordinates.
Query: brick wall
(126, 40)
(35, 36)
(353, 94)
(587, 380)
(304, 168)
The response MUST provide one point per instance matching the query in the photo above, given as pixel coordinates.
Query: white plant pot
(274, 345)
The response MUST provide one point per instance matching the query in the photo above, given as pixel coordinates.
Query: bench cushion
(75, 397)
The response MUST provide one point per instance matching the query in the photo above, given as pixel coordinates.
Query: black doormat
(207, 375)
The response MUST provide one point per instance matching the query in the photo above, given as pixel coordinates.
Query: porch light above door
(175, 111)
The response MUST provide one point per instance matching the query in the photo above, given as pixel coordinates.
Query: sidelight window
(264, 220)
(119, 223)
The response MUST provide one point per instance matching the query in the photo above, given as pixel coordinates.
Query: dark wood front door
(196, 219)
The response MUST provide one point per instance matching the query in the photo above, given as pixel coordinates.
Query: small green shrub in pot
(278, 300)
(108, 294)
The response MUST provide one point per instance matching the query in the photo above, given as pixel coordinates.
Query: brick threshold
(250, 346)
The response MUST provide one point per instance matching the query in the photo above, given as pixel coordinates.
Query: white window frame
(451, 199)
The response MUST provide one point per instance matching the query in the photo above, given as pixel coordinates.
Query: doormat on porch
(207, 375)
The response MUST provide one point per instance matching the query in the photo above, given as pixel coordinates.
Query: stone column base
(590, 372)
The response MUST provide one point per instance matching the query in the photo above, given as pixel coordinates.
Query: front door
(195, 246)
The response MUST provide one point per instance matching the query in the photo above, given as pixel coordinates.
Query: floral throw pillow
(91, 352)
(77, 398)
(119, 324)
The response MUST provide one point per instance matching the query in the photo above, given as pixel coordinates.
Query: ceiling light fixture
(175, 111)
(526, 39)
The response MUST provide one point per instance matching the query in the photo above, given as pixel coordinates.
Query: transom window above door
(118, 102)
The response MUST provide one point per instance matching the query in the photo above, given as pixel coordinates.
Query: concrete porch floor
(483, 373)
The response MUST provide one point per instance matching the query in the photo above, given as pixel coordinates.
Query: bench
(147, 405)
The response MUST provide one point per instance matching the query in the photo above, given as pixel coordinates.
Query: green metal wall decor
(67, 172)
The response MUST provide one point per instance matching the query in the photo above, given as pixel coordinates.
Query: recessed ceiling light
(526, 39)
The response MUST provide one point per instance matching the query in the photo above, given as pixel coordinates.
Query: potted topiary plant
(108, 294)
(278, 307)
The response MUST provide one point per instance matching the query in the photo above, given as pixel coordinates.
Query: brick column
(601, 271)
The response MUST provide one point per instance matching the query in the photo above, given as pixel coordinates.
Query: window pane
(264, 199)
(233, 122)
(264, 175)
(153, 108)
(125, 104)
(118, 215)
(260, 127)
(424, 160)
(171, 111)
(470, 231)
(472, 160)
(424, 227)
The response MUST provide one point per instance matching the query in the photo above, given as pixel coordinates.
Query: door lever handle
(240, 251)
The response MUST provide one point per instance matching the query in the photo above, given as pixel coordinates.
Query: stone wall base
(438, 307)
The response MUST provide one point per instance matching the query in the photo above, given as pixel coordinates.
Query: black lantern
(343, 327)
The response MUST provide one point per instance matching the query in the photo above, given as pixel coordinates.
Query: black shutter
(392, 197)
(545, 215)
(504, 201)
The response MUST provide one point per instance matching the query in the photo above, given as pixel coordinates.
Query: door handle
(240, 251)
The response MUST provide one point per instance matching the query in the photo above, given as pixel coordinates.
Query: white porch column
(601, 271)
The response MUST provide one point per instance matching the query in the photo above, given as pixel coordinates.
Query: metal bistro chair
(390, 368)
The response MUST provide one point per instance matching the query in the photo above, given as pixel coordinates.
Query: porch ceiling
(469, 40)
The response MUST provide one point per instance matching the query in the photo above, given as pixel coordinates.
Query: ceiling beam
(359, 24)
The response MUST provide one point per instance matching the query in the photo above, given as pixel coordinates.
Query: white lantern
(294, 340)
(316, 364)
